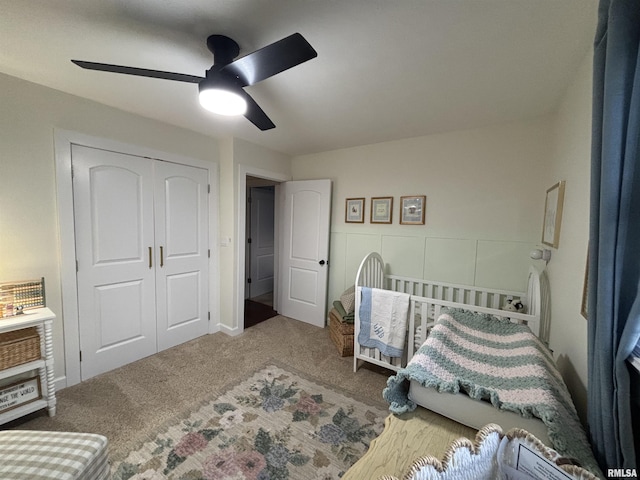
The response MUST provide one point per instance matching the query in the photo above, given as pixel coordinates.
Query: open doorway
(259, 251)
(302, 298)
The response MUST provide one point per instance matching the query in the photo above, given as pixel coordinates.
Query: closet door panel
(181, 213)
(113, 213)
(183, 298)
(181, 218)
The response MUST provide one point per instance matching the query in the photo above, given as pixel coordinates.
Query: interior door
(304, 262)
(113, 208)
(262, 240)
(181, 239)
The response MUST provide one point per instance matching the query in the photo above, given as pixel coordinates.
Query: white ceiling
(385, 69)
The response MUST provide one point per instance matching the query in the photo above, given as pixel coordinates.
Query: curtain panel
(614, 237)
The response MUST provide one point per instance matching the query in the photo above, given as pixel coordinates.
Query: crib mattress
(28, 455)
(473, 413)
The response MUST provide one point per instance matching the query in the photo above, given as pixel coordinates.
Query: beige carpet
(129, 403)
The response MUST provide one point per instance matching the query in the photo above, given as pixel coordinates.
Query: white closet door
(113, 208)
(181, 253)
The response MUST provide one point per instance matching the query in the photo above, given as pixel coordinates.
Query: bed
(428, 298)
(432, 307)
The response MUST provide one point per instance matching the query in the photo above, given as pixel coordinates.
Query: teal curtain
(614, 237)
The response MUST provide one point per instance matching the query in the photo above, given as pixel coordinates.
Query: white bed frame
(427, 298)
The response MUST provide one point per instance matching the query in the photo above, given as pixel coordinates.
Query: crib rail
(466, 294)
(428, 298)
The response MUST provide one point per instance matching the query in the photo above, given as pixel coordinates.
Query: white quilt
(383, 320)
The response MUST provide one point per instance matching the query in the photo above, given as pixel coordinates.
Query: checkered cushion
(37, 455)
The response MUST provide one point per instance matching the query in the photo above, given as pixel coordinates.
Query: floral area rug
(275, 425)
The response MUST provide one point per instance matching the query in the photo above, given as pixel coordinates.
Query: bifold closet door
(113, 208)
(181, 253)
(142, 258)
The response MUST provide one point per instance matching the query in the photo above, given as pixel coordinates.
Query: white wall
(571, 162)
(29, 234)
(484, 203)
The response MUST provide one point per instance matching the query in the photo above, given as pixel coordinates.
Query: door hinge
(77, 267)
(248, 280)
(208, 188)
(209, 253)
(71, 171)
(208, 315)
(249, 240)
(80, 355)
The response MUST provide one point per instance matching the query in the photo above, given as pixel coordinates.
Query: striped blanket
(494, 359)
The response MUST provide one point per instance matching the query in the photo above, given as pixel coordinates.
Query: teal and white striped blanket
(505, 363)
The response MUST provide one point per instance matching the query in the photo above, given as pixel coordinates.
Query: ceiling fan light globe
(222, 102)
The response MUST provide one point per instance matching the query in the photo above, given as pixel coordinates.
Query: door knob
(321, 262)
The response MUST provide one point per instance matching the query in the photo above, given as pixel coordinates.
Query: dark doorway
(259, 251)
(256, 311)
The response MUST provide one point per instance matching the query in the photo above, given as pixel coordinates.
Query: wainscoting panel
(359, 245)
(502, 264)
(468, 261)
(338, 281)
(450, 260)
(404, 255)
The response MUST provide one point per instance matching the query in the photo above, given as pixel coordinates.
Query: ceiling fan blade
(141, 72)
(255, 114)
(271, 60)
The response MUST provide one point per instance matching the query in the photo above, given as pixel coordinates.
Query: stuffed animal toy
(513, 305)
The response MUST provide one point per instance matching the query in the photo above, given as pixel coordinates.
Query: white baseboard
(60, 382)
(231, 331)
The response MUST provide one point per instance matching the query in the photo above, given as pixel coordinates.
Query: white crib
(429, 297)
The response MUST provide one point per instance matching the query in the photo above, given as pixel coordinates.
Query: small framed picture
(354, 210)
(381, 209)
(553, 215)
(412, 210)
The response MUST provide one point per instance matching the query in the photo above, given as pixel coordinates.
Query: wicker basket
(342, 327)
(18, 347)
(343, 341)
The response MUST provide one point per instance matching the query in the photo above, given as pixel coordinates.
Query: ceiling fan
(221, 89)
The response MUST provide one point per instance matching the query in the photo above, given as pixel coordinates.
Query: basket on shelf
(18, 347)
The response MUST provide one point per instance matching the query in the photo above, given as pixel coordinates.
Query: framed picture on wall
(381, 209)
(354, 210)
(553, 215)
(412, 209)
